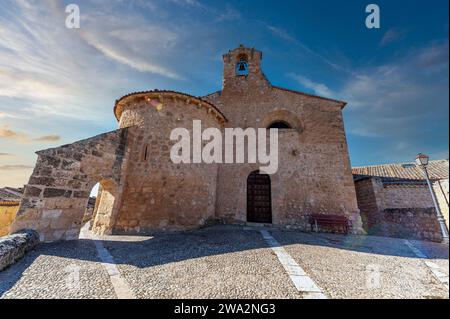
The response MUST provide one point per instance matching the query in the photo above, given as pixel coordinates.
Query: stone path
(366, 267)
(437, 271)
(299, 277)
(120, 285)
(230, 262)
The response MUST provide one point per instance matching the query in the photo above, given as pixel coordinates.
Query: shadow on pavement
(164, 248)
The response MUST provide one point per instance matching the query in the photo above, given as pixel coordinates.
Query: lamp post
(422, 162)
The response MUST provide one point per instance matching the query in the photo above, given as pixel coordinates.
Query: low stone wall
(403, 211)
(14, 246)
(411, 223)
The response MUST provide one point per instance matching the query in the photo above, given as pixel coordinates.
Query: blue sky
(58, 85)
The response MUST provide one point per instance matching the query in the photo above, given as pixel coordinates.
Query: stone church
(142, 190)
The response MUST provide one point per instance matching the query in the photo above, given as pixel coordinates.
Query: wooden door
(259, 198)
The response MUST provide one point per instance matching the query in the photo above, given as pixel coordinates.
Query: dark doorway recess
(259, 198)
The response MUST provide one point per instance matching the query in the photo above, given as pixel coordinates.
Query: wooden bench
(317, 220)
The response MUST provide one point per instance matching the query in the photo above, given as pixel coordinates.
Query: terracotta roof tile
(404, 171)
(166, 91)
(10, 194)
(343, 103)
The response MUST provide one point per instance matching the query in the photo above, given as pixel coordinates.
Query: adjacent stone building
(395, 201)
(142, 190)
(9, 204)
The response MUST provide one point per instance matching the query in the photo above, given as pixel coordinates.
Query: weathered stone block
(81, 194)
(41, 180)
(51, 213)
(56, 192)
(51, 160)
(75, 183)
(13, 247)
(32, 191)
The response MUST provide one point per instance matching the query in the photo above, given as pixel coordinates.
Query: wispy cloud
(435, 57)
(317, 88)
(191, 3)
(47, 138)
(127, 58)
(7, 133)
(285, 35)
(281, 33)
(392, 100)
(14, 167)
(392, 35)
(6, 154)
(66, 80)
(37, 71)
(229, 14)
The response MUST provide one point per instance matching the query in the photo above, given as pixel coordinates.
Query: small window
(145, 153)
(281, 125)
(242, 66)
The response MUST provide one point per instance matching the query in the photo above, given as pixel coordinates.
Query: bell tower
(242, 70)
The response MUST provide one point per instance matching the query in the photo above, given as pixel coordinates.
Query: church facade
(142, 190)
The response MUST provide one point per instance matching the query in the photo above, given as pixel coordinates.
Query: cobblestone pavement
(226, 262)
(58, 270)
(367, 267)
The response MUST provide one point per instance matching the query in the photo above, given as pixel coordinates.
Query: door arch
(259, 198)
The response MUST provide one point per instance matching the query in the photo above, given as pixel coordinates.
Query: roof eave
(170, 92)
(342, 103)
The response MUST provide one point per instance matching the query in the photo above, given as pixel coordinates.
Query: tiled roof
(403, 171)
(10, 194)
(343, 103)
(170, 92)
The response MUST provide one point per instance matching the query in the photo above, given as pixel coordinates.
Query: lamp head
(422, 159)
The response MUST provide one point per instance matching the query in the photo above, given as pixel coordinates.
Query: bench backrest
(337, 218)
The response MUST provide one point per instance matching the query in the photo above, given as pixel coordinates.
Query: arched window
(242, 65)
(279, 125)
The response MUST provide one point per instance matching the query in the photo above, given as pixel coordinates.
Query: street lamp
(422, 162)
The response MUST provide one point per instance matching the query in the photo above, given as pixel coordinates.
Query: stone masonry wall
(441, 190)
(314, 174)
(143, 190)
(55, 198)
(401, 196)
(367, 202)
(159, 194)
(404, 211)
(413, 223)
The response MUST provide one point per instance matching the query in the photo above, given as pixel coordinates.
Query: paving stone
(228, 262)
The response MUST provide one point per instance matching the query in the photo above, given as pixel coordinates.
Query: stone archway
(282, 116)
(259, 198)
(58, 190)
(102, 221)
